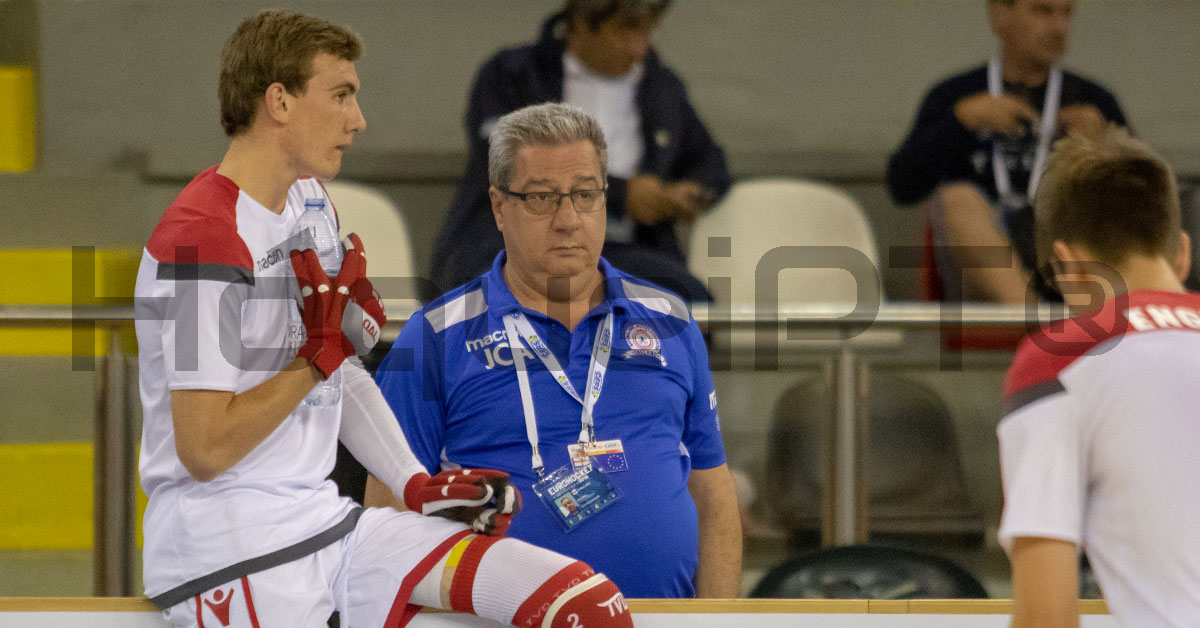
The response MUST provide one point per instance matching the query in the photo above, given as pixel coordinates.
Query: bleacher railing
(846, 362)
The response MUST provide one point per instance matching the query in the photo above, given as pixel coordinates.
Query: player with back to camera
(1099, 442)
(242, 528)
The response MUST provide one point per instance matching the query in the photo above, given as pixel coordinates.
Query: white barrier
(138, 613)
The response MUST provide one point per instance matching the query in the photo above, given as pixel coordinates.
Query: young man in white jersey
(1099, 442)
(242, 527)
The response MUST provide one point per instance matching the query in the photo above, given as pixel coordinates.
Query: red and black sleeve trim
(184, 271)
(1030, 394)
(201, 226)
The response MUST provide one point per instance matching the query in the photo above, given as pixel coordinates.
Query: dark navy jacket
(677, 146)
(939, 149)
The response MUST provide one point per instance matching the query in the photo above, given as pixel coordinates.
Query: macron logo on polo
(497, 336)
(490, 345)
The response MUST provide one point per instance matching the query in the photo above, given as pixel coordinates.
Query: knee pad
(575, 597)
(593, 603)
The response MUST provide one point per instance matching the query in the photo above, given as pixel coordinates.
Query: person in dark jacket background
(665, 168)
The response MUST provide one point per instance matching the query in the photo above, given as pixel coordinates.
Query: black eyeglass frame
(524, 196)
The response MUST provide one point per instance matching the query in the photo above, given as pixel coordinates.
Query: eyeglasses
(546, 203)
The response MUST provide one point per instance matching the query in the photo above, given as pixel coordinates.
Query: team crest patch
(643, 341)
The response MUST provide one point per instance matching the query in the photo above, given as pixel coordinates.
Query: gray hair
(547, 124)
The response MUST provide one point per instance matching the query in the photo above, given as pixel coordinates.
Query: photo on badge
(575, 495)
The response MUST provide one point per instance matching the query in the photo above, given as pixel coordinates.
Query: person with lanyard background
(574, 377)
(979, 144)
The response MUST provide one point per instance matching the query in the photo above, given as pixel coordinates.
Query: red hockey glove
(321, 307)
(481, 498)
(363, 319)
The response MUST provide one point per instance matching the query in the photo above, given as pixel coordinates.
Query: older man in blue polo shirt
(590, 387)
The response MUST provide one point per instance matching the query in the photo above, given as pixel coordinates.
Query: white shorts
(368, 576)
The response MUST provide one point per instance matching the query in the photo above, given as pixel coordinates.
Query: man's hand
(363, 318)
(342, 316)
(649, 201)
(481, 498)
(1082, 119)
(690, 198)
(321, 309)
(1005, 113)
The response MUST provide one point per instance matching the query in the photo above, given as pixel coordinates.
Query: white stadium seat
(384, 234)
(770, 226)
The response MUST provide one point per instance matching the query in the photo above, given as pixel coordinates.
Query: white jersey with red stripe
(1100, 446)
(213, 309)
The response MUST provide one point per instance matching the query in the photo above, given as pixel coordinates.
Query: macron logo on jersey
(219, 605)
(282, 252)
(273, 257)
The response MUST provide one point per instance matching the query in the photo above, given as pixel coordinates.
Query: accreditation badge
(575, 495)
(609, 455)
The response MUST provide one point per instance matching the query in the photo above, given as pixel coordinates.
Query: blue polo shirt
(450, 380)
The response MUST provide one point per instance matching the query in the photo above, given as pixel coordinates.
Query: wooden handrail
(740, 606)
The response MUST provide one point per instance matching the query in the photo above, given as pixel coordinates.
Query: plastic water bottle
(328, 247)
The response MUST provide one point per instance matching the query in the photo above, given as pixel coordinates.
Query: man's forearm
(1045, 583)
(214, 429)
(370, 431)
(719, 572)
(378, 495)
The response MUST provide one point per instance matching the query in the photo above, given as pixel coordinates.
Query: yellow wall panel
(47, 280)
(48, 341)
(46, 276)
(47, 499)
(18, 119)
